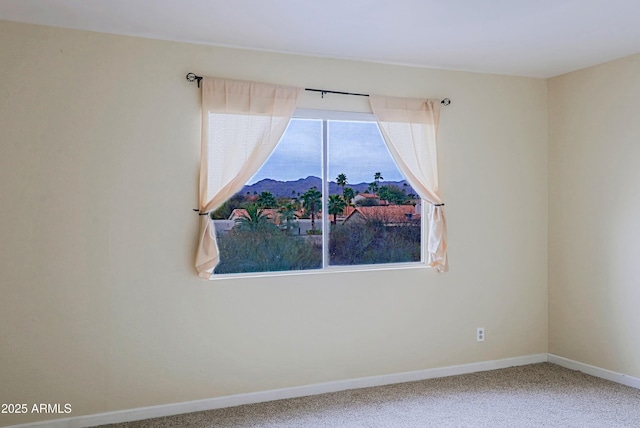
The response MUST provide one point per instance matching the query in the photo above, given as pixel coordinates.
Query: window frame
(345, 116)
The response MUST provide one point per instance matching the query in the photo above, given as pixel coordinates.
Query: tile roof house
(389, 214)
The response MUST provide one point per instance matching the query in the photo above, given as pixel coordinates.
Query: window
(242, 124)
(328, 197)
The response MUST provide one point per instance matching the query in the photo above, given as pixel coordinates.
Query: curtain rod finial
(192, 77)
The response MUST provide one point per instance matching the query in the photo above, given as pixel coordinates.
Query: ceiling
(537, 38)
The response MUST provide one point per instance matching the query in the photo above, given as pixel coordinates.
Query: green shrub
(373, 242)
(265, 249)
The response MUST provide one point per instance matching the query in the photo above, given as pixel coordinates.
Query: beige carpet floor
(538, 395)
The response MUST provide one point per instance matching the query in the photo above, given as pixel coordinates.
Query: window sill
(329, 270)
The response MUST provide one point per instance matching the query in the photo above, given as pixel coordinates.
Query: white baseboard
(278, 394)
(623, 379)
(322, 388)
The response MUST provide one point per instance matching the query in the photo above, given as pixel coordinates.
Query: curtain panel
(409, 127)
(242, 123)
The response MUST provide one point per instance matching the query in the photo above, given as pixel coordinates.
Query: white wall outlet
(480, 334)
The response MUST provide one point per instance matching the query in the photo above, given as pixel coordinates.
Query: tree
(348, 194)
(312, 202)
(341, 181)
(287, 216)
(266, 200)
(336, 206)
(253, 220)
(377, 177)
(393, 194)
(373, 187)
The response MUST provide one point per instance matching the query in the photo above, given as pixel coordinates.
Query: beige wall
(594, 222)
(101, 307)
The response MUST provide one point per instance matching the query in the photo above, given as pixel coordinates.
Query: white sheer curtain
(242, 123)
(409, 127)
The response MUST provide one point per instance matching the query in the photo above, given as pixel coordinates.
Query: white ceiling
(538, 38)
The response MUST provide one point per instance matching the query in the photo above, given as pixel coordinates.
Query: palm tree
(341, 181)
(312, 201)
(287, 215)
(377, 177)
(254, 218)
(336, 206)
(348, 194)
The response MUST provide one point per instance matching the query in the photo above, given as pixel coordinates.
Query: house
(100, 306)
(391, 215)
(299, 227)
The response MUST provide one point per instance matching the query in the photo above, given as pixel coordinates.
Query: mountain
(281, 189)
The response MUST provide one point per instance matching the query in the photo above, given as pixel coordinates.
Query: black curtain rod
(445, 101)
(325, 91)
(192, 77)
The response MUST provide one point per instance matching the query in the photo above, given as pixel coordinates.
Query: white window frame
(346, 116)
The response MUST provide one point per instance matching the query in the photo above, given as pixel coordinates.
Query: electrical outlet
(480, 334)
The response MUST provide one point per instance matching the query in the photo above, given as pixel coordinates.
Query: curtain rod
(445, 101)
(192, 77)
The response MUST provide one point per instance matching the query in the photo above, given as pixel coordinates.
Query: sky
(354, 148)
